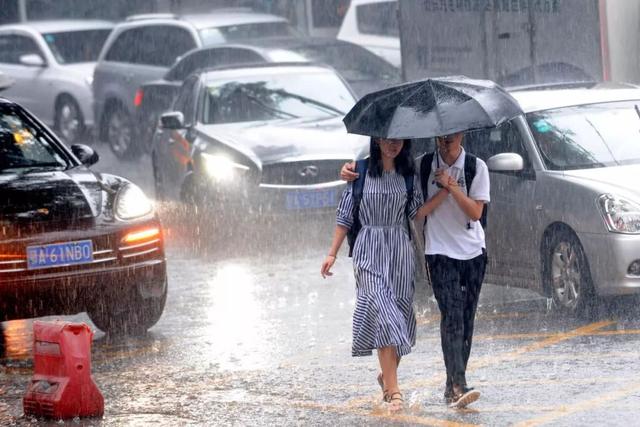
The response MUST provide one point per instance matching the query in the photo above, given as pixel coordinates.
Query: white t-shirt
(447, 232)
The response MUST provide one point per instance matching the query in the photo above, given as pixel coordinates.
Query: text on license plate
(67, 253)
(311, 199)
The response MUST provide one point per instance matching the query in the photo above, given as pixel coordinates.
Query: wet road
(252, 335)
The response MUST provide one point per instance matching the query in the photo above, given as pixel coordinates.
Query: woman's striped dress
(383, 263)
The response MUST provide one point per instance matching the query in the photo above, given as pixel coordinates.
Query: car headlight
(131, 203)
(221, 167)
(89, 81)
(620, 215)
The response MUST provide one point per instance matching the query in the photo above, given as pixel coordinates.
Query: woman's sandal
(385, 395)
(396, 402)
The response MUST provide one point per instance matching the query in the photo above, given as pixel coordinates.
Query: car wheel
(127, 316)
(568, 275)
(68, 120)
(119, 132)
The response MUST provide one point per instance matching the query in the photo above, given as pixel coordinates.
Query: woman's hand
(347, 172)
(326, 266)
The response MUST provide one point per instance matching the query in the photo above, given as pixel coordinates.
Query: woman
(383, 260)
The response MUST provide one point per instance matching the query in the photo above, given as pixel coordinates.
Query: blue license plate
(311, 199)
(57, 254)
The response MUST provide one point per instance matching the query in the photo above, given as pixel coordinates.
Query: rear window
(378, 19)
(588, 136)
(157, 45)
(71, 47)
(210, 36)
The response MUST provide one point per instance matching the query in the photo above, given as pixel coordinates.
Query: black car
(364, 71)
(73, 240)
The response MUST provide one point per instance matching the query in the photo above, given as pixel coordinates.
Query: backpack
(470, 162)
(358, 187)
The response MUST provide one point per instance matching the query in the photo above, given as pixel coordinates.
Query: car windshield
(25, 146)
(72, 47)
(352, 62)
(282, 96)
(217, 35)
(588, 136)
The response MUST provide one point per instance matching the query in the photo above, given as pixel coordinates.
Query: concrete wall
(623, 23)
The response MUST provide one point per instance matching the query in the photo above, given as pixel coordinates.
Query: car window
(276, 97)
(12, 47)
(379, 19)
(23, 145)
(217, 35)
(185, 102)
(158, 45)
(486, 143)
(588, 136)
(71, 47)
(212, 57)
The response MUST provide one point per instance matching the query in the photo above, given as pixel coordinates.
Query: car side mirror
(32, 60)
(87, 155)
(505, 162)
(172, 120)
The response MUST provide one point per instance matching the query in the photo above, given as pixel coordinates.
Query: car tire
(68, 120)
(567, 275)
(127, 316)
(119, 134)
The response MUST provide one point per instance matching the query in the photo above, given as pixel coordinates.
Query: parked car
(564, 217)
(51, 63)
(71, 239)
(143, 48)
(373, 24)
(267, 138)
(364, 71)
(5, 81)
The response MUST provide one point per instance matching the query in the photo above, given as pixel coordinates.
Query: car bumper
(610, 256)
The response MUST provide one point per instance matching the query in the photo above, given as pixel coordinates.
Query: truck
(521, 42)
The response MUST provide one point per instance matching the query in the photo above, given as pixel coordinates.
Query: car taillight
(137, 100)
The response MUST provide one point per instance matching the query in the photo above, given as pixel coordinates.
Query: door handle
(539, 207)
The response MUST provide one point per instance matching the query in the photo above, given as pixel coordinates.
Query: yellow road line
(565, 410)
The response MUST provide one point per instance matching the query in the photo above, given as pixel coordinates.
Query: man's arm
(472, 208)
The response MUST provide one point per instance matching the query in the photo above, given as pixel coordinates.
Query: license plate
(313, 199)
(68, 253)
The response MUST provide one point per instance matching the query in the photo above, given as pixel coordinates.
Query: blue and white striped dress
(383, 263)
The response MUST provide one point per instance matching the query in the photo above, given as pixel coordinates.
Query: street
(252, 335)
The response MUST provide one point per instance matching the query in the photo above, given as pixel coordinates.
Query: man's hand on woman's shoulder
(347, 172)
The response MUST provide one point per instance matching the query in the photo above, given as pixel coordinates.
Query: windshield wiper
(306, 100)
(268, 108)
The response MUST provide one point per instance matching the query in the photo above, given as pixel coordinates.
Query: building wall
(623, 23)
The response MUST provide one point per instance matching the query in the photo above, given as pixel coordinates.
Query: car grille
(302, 173)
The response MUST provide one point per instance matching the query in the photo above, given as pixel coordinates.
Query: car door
(176, 144)
(28, 86)
(512, 230)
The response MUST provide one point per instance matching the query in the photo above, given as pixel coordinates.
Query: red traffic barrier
(62, 386)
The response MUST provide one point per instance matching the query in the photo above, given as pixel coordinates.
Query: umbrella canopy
(432, 107)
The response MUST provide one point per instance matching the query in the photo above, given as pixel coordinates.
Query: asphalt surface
(252, 335)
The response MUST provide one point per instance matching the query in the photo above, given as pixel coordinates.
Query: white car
(373, 24)
(51, 64)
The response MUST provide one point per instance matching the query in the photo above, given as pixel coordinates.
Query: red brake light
(137, 100)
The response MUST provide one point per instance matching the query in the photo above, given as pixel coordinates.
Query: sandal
(385, 395)
(396, 402)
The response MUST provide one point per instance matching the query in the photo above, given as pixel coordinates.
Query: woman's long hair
(404, 163)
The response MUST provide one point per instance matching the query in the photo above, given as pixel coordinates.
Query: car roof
(539, 99)
(263, 69)
(60, 25)
(220, 18)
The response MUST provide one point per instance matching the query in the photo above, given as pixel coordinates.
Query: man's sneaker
(448, 395)
(464, 398)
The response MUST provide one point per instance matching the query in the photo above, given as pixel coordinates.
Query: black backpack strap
(425, 172)
(408, 182)
(356, 193)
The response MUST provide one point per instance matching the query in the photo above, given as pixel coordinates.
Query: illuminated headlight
(620, 215)
(221, 167)
(131, 202)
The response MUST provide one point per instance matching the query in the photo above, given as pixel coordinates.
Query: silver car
(51, 64)
(564, 217)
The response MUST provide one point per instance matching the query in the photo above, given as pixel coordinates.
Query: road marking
(585, 405)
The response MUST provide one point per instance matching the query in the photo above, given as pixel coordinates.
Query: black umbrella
(432, 107)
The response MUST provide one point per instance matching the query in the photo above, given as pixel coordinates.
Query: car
(564, 216)
(373, 24)
(5, 81)
(71, 239)
(266, 139)
(143, 48)
(364, 71)
(51, 63)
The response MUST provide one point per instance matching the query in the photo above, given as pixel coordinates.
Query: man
(455, 252)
